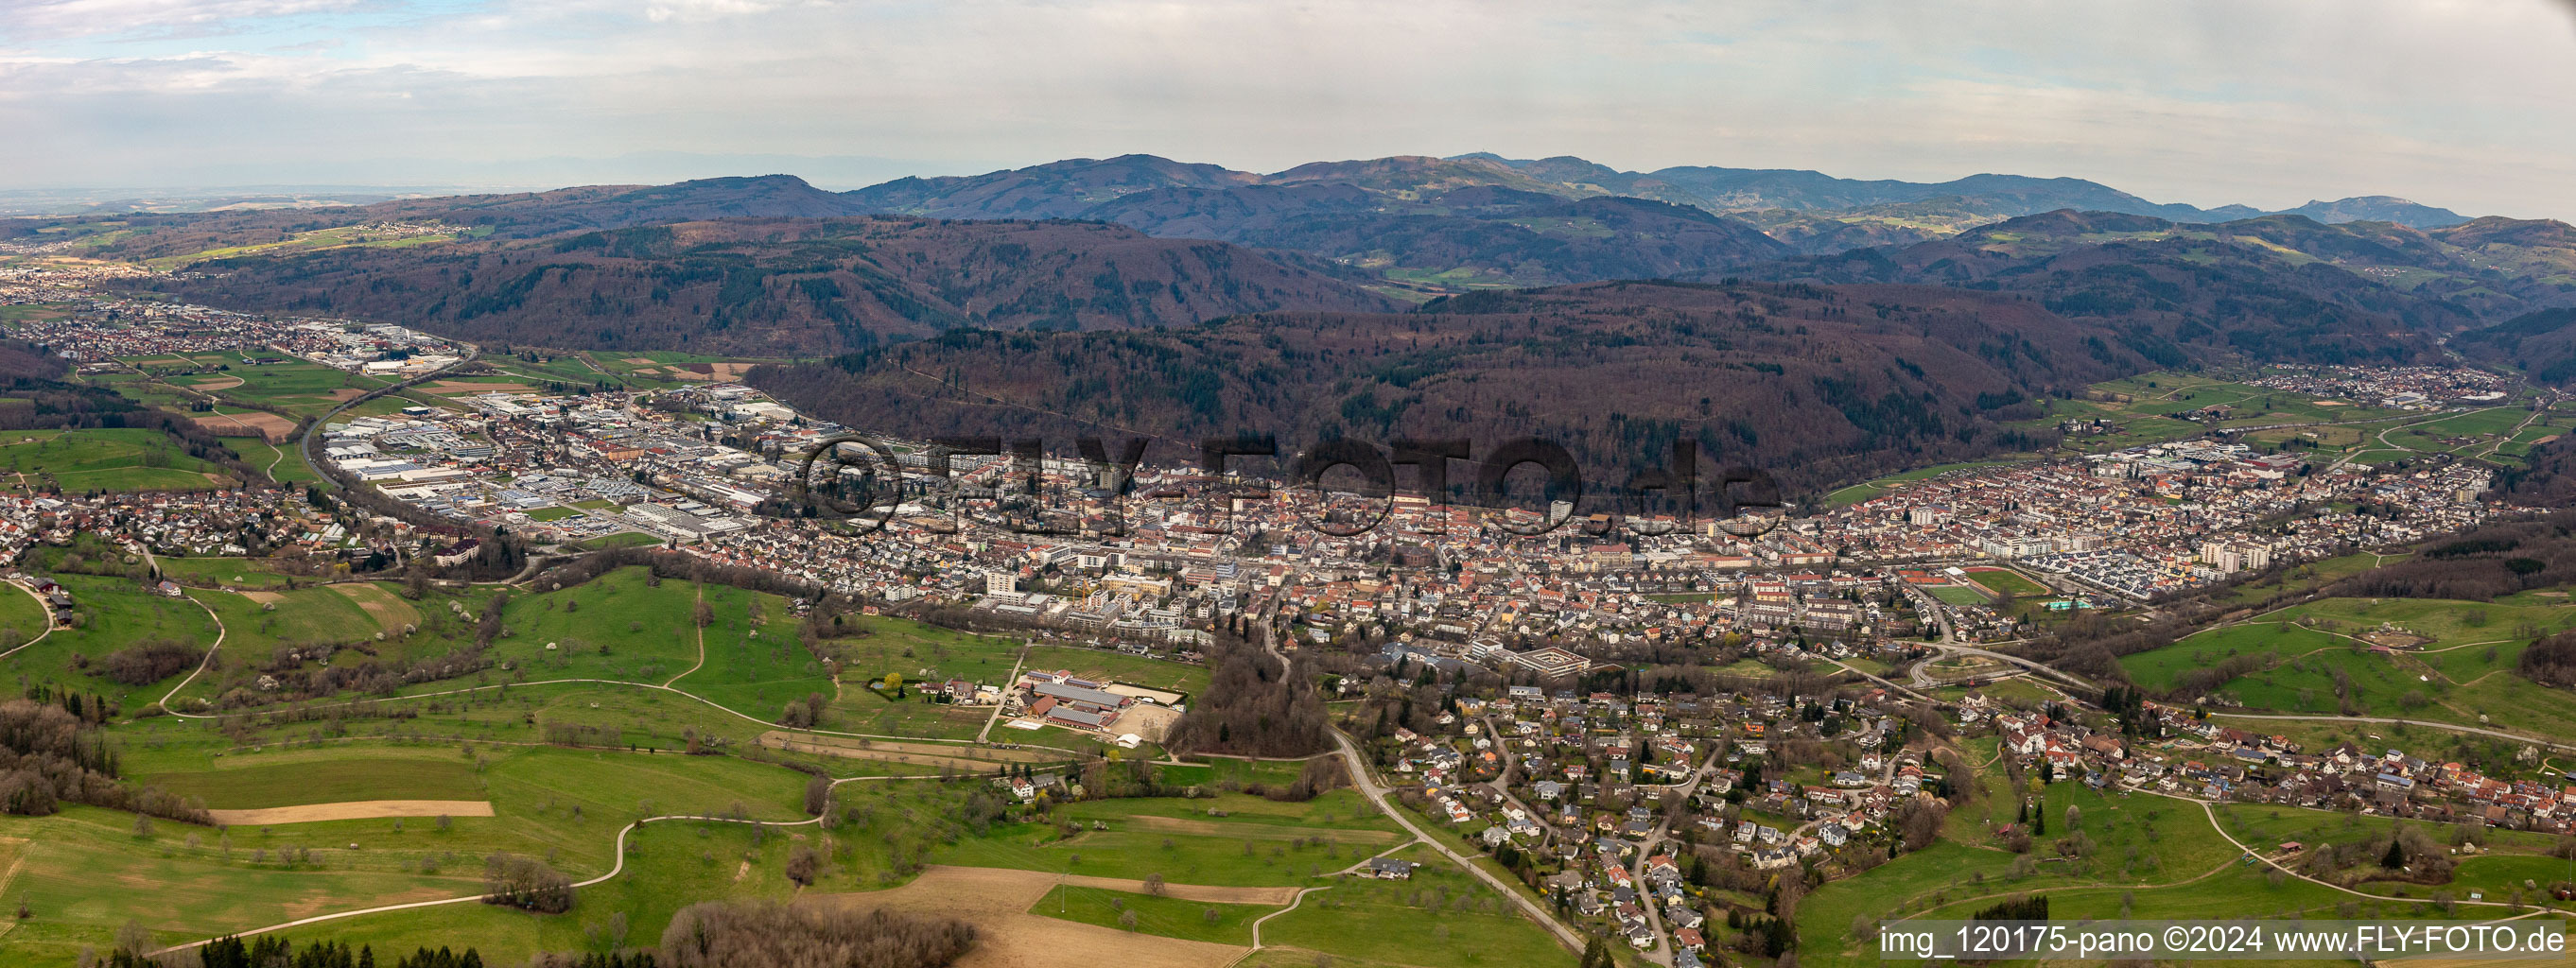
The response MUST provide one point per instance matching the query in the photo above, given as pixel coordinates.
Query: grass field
(305, 389)
(2461, 672)
(2309, 575)
(622, 539)
(1957, 594)
(284, 463)
(2140, 843)
(82, 872)
(1440, 917)
(25, 312)
(1120, 667)
(2157, 669)
(115, 613)
(1189, 850)
(920, 653)
(1870, 489)
(755, 663)
(2005, 581)
(122, 459)
(285, 784)
(21, 617)
(618, 626)
(1162, 916)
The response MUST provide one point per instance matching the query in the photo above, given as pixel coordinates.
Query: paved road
(985, 735)
(2206, 809)
(1366, 780)
(1662, 952)
(2043, 669)
(2453, 727)
(43, 608)
(1512, 767)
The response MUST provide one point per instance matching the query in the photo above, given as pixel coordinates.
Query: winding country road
(1366, 781)
(2453, 727)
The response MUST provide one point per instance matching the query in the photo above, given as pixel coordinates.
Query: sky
(2465, 104)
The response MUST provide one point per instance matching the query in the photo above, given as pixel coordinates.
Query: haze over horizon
(2454, 105)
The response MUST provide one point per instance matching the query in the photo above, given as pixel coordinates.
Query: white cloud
(2268, 102)
(54, 19)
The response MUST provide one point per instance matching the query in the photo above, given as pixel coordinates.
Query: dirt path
(455, 388)
(982, 761)
(16, 848)
(1190, 892)
(1210, 828)
(985, 735)
(353, 810)
(700, 599)
(997, 902)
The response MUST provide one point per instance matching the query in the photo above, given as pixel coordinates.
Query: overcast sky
(2468, 104)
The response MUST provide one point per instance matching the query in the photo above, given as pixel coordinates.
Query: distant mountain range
(1194, 241)
(1484, 219)
(1069, 189)
(770, 286)
(1824, 324)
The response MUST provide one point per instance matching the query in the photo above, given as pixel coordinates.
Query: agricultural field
(1195, 850)
(122, 459)
(35, 312)
(304, 389)
(1153, 914)
(239, 573)
(1438, 917)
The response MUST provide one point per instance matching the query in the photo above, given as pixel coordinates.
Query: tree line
(48, 756)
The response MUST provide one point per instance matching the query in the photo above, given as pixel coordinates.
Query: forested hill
(2271, 288)
(779, 286)
(1815, 383)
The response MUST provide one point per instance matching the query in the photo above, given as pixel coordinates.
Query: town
(1609, 801)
